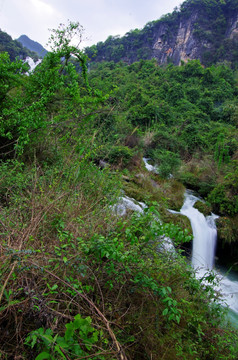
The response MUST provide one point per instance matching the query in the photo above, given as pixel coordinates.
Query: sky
(99, 18)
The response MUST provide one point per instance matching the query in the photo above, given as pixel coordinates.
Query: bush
(168, 162)
(120, 155)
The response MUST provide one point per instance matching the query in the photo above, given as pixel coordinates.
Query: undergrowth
(80, 283)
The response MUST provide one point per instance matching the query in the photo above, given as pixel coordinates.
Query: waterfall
(32, 63)
(150, 167)
(204, 233)
(203, 252)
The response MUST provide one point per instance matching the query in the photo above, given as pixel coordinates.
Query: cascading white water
(32, 63)
(204, 244)
(150, 167)
(203, 253)
(204, 233)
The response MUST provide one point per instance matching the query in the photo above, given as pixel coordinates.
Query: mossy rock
(227, 241)
(141, 188)
(174, 192)
(178, 219)
(150, 187)
(227, 229)
(203, 207)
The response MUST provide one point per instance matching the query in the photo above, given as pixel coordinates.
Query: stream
(203, 251)
(203, 254)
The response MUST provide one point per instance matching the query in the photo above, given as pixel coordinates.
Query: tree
(52, 94)
(65, 41)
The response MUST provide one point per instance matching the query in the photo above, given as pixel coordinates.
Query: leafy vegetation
(77, 280)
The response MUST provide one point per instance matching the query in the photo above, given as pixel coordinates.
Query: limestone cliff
(182, 45)
(201, 29)
(185, 43)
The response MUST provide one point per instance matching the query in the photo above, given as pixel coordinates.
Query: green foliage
(224, 195)
(10, 75)
(54, 82)
(168, 162)
(79, 339)
(120, 155)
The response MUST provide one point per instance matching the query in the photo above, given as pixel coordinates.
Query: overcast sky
(100, 18)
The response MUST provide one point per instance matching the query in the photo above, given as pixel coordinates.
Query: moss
(199, 174)
(203, 207)
(178, 219)
(227, 241)
(142, 188)
(150, 187)
(227, 228)
(174, 190)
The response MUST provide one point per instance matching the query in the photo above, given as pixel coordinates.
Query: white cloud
(42, 7)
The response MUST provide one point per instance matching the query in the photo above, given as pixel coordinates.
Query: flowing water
(203, 253)
(204, 233)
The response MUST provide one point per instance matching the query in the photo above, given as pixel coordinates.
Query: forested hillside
(14, 48)
(199, 29)
(185, 119)
(79, 281)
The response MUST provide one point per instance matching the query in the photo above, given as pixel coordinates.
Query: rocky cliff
(201, 29)
(181, 45)
(191, 39)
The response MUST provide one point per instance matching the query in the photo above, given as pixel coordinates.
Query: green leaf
(57, 348)
(70, 331)
(43, 355)
(165, 312)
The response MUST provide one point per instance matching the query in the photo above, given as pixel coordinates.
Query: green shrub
(167, 161)
(223, 201)
(120, 155)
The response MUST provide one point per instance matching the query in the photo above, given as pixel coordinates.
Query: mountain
(32, 45)
(200, 29)
(14, 47)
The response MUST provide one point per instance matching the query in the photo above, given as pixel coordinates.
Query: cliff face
(180, 46)
(232, 29)
(184, 44)
(200, 29)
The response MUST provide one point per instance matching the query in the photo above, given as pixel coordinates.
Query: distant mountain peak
(32, 45)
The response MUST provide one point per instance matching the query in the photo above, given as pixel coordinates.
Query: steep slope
(201, 29)
(32, 45)
(14, 48)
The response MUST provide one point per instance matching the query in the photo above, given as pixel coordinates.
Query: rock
(204, 208)
(103, 164)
